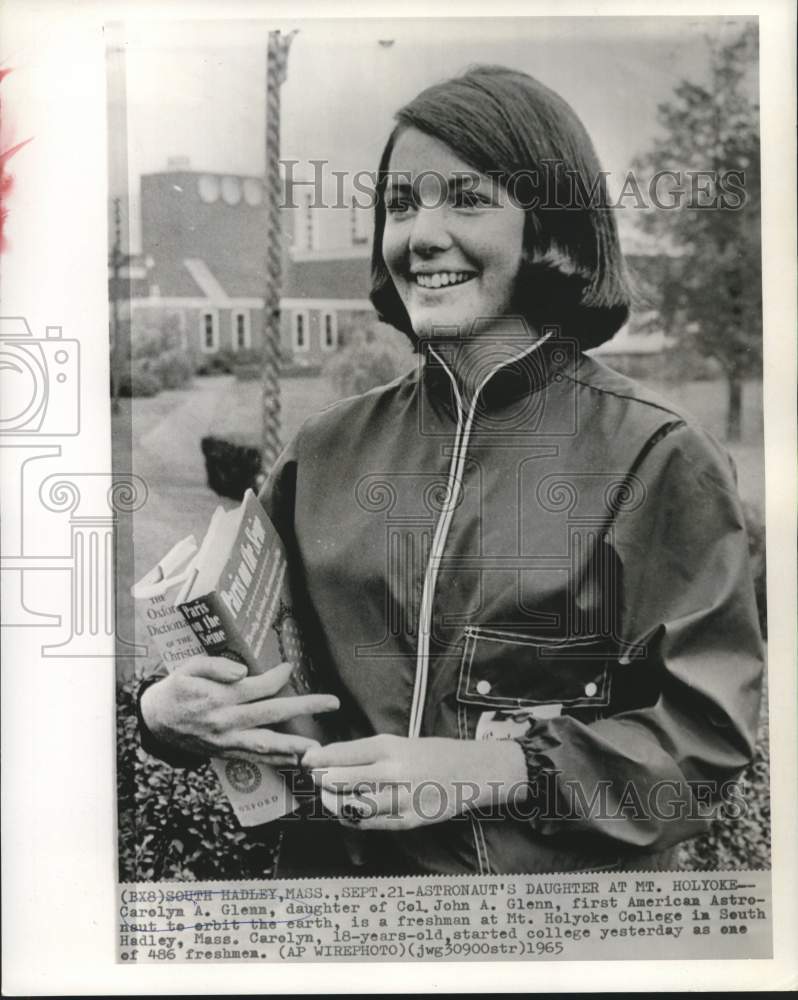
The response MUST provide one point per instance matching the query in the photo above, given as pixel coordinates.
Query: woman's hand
(209, 706)
(397, 783)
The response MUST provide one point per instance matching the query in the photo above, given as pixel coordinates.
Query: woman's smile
(453, 248)
(441, 279)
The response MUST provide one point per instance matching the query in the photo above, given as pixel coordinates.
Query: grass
(239, 409)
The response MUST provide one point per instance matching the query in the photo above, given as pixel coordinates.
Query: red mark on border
(6, 178)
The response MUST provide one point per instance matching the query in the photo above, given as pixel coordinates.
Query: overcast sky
(197, 89)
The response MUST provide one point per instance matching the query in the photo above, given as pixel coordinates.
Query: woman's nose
(430, 232)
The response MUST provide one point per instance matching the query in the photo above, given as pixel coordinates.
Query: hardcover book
(231, 597)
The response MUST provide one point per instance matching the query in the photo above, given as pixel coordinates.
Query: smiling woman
(524, 577)
(450, 259)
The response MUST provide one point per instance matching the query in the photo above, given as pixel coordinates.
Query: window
(329, 331)
(209, 331)
(241, 330)
(301, 328)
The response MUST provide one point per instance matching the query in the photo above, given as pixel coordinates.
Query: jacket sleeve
(277, 497)
(687, 600)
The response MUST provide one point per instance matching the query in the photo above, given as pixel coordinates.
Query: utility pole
(276, 68)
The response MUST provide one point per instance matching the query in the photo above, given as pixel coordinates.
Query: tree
(710, 139)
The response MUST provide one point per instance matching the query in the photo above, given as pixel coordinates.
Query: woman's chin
(440, 327)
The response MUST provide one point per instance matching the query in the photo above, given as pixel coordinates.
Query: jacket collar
(508, 367)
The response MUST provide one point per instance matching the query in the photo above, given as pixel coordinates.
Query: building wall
(187, 321)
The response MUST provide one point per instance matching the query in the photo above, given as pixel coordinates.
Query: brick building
(201, 268)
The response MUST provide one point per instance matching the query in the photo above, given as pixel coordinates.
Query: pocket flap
(512, 670)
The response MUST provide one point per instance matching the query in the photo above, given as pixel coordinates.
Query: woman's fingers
(349, 779)
(213, 668)
(264, 685)
(264, 742)
(270, 711)
(365, 751)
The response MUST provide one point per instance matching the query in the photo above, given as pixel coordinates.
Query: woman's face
(453, 248)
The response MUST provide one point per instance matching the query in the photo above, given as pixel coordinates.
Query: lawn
(239, 409)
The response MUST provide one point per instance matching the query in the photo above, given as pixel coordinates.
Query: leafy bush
(220, 363)
(177, 825)
(173, 369)
(232, 467)
(138, 379)
(364, 364)
(246, 356)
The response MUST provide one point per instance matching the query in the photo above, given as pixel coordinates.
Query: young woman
(526, 577)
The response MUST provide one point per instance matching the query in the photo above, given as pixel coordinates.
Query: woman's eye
(468, 199)
(398, 206)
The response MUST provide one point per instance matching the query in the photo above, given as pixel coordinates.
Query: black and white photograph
(500, 396)
(431, 559)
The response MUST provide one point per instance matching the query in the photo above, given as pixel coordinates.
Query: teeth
(442, 278)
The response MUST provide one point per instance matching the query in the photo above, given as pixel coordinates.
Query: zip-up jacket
(561, 559)
(565, 555)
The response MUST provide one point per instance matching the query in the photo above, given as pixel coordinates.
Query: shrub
(177, 825)
(220, 363)
(173, 369)
(247, 365)
(138, 379)
(363, 364)
(232, 467)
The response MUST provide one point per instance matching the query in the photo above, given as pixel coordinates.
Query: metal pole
(276, 64)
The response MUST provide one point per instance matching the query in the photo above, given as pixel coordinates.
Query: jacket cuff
(156, 747)
(536, 744)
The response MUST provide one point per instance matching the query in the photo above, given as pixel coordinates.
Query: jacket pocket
(505, 670)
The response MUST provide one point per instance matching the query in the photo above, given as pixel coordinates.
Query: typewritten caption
(656, 915)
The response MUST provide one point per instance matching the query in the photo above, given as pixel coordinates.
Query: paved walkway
(168, 457)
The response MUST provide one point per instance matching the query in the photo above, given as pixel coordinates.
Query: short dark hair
(506, 124)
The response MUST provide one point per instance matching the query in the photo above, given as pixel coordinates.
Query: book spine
(216, 630)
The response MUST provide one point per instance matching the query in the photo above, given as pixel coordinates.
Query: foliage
(364, 364)
(232, 467)
(175, 824)
(713, 281)
(246, 356)
(138, 379)
(173, 369)
(158, 361)
(219, 363)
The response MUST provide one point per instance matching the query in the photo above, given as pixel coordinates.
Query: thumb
(215, 668)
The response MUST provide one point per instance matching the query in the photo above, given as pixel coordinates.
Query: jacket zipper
(453, 485)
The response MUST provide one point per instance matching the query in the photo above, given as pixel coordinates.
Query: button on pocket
(510, 670)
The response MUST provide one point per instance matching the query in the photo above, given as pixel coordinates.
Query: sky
(197, 89)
